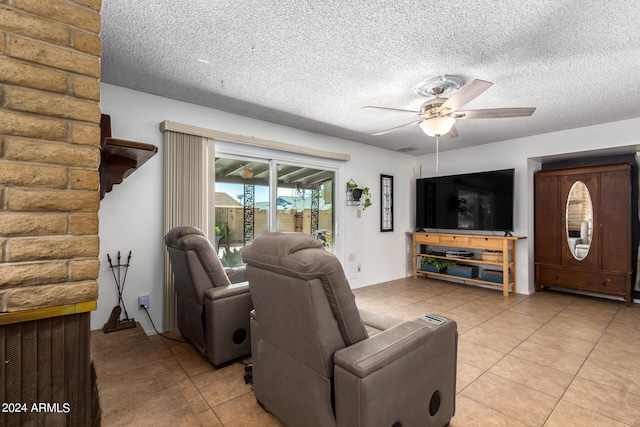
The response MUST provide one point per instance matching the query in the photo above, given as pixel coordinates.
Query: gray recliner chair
(213, 302)
(319, 361)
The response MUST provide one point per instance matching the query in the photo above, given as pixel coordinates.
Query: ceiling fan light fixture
(437, 126)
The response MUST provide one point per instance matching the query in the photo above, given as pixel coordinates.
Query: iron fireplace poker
(119, 272)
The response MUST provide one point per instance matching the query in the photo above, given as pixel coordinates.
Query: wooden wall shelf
(119, 158)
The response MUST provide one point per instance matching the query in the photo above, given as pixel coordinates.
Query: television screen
(474, 201)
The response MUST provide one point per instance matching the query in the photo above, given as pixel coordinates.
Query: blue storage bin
(465, 271)
(493, 276)
(429, 268)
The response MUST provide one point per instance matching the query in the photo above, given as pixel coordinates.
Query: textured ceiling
(312, 64)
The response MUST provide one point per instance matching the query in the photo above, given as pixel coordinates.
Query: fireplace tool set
(119, 271)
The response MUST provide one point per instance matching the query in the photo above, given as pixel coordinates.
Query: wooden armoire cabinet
(581, 245)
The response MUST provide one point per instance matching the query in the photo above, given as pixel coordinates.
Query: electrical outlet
(143, 302)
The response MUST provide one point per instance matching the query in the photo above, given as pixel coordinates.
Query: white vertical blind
(188, 198)
(189, 184)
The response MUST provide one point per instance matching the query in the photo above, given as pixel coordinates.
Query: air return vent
(406, 149)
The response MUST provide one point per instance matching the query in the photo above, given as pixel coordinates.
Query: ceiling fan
(439, 115)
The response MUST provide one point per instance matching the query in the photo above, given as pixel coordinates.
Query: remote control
(432, 319)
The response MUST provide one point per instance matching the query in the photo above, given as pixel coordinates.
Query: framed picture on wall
(386, 203)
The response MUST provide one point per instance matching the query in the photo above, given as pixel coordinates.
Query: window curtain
(188, 198)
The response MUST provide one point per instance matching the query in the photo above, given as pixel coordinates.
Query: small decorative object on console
(459, 254)
(491, 255)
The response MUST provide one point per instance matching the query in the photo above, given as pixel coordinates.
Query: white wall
(525, 155)
(131, 215)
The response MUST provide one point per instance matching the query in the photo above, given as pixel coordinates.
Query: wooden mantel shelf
(120, 158)
(138, 151)
(47, 312)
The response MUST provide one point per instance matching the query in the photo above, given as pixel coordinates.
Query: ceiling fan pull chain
(437, 152)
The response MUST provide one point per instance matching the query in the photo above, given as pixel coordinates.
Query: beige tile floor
(549, 359)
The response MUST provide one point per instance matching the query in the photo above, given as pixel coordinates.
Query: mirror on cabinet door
(579, 220)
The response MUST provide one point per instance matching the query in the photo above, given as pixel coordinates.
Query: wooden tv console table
(506, 244)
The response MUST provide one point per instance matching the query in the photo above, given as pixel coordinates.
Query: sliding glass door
(253, 196)
(305, 201)
(241, 205)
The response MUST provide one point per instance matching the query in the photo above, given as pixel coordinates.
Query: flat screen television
(473, 201)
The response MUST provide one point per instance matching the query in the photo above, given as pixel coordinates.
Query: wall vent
(406, 149)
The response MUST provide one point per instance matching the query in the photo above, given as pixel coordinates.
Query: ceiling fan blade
(466, 94)
(453, 133)
(495, 113)
(397, 127)
(392, 109)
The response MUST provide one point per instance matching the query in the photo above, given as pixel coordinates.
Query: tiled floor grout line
(574, 375)
(173, 355)
(559, 399)
(560, 318)
(499, 360)
(582, 364)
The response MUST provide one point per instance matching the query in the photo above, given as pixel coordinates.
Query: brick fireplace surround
(49, 198)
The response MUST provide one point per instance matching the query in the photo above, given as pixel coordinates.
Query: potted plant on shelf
(438, 265)
(356, 194)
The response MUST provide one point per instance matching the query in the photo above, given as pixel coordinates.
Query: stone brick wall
(49, 152)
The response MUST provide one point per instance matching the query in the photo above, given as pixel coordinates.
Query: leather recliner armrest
(377, 351)
(404, 375)
(226, 291)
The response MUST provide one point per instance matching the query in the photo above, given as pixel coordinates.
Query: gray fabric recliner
(213, 302)
(319, 361)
